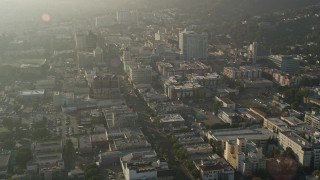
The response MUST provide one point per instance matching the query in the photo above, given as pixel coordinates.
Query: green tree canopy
(23, 156)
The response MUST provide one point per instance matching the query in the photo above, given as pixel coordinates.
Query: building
(274, 125)
(48, 158)
(193, 45)
(62, 98)
(257, 83)
(257, 135)
(120, 116)
(182, 68)
(76, 174)
(177, 89)
(172, 119)
(31, 95)
(226, 102)
(103, 86)
(140, 74)
(34, 69)
(253, 52)
(287, 64)
(84, 145)
(243, 72)
(209, 80)
(143, 165)
(303, 150)
(125, 139)
(46, 83)
(313, 119)
(105, 21)
(214, 168)
(229, 116)
(86, 41)
(4, 163)
(98, 140)
(127, 17)
(244, 156)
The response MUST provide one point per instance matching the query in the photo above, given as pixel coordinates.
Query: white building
(142, 165)
(313, 119)
(193, 45)
(31, 95)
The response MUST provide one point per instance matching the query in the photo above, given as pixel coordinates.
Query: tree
(196, 173)
(96, 178)
(69, 155)
(8, 122)
(9, 144)
(216, 106)
(41, 133)
(91, 170)
(23, 156)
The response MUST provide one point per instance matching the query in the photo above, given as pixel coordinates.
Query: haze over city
(159, 89)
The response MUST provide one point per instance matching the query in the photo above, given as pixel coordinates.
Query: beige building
(274, 124)
(244, 156)
(243, 72)
(302, 149)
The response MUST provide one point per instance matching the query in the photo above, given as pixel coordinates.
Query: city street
(156, 138)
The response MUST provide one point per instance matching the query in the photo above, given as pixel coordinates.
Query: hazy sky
(25, 10)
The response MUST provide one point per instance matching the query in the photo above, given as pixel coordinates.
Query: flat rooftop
(172, 118)
(276, 121)
(297, 139)
(4, 158)
(248, 133)
(293, 121)
(31, 92)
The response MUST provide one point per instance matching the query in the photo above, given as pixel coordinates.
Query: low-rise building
(274, 125)
(84, 145)
(120, 116)
(31, 95)
(4, 163)
(226, 102)
(176, 88)
(243, 72)
(214, 168)
(209, 80)
(172, 122)
(143, 165)
(313, 119)
(48, 158)
(257, 135)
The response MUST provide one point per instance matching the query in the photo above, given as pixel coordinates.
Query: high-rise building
(253, 52)
(193, 45)
(127, 17)
(287, 64)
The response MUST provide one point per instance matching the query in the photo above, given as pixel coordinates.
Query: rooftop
(247, 133)
(172, 118)
(297, 139)
(31, 92)
(4, 158)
